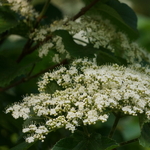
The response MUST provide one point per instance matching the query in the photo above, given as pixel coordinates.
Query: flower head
(97, 31)
(87, 93)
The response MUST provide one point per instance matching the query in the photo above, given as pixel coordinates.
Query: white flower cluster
(54, 43)
(24, 8)
(102, 33)
(88, 94)
(95, 30)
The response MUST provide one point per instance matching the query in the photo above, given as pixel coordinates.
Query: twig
(84, 10)
(112, 131)
(128, 142)
(24, 79)
(26, 49)
(32, 49)
(43, 10)
(31, 70)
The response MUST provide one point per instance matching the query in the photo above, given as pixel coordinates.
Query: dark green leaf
(144, 29)
(22, 146)
(97, 142)
(106, 57)
(108, 144)
(73, 48)
(33, 119)
(65, 144)
(103, 55)
(9, 70)
(142, 120)
(52, 13)
(91, 142)
(7, 19)
(126, 13)
(21, 29)
(52, 87)
(110, 13)
(144, 139)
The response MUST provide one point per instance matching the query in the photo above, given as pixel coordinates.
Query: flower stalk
(113, 129)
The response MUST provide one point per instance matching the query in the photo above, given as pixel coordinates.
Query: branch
(84, 10)
(26, 49)
(32, 49)
(43, 11)
(24, 79)
(128, 142)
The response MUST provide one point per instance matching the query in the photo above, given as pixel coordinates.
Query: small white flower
(24, 8)
(25, 130)
(30, 139)
(128, 110)
(41, 130)
(70, 126)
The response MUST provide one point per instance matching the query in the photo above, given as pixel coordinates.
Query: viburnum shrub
(96, 70)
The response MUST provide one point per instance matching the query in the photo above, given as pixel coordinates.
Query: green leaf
(108, 144)
(126, 13)
(21, 29)
(7, 19)
(91, 142)
(110, 13)
(22, 146)
(73, 48)
(65, 144)
(30, 120)
(9, 70)
(144, 29)
(97, 142)
(104, 56)
(52, 87)
(144, 139)
(52, 13)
